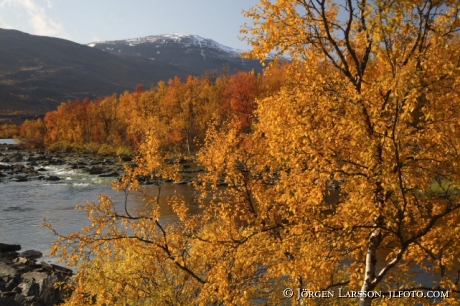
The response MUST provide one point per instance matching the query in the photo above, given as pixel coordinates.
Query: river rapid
(23, 205)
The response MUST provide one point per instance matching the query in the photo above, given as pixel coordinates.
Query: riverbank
(37, 184)
(18, 164)
(25, 282)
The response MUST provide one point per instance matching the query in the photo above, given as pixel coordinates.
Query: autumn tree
(9, 130)
(375, 112)
(349, 179)
(239, 98)
(32, 133)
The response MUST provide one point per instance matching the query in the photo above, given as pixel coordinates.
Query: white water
(23, 205)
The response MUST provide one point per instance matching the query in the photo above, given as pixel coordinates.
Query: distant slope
(37, 73)
(191, 53)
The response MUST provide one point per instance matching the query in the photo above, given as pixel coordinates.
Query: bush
(65, 146)
(60, 146)
(123, 151)
(106, 149)
(92, 147)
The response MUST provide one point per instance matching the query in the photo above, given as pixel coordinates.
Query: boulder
(8, 301)
(24, 282)
(110, 174)
(31, 254)
(9, 247)
(7, 270)
(21, 179)
(41, 157)
(41, 285)
(95, 170)
(16, 157)
(125, 158)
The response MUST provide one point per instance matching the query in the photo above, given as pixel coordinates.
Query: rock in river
(23, 281)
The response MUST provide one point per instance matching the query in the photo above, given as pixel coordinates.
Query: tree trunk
(369, 272)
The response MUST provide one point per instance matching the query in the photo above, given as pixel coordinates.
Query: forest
(180, 111)
(367, 105)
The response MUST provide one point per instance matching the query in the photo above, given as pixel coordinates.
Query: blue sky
(85, 21)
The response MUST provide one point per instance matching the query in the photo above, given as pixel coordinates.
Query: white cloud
(34, 14)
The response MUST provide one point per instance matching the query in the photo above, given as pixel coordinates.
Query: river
(23, 205)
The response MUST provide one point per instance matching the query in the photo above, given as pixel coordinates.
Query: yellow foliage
(339, 169)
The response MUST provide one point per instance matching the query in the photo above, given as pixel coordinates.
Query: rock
(12, 283)
(9, 255)
(9, 247)
(110, 174)
(21, 179)
(8, 301)
(16, 157)
(181, 183)
(41, 157)
(53, 178)
(45, 290)
(29, 288)
(95, 170)
(31, 254)
(41, 169)
(6, 270)
(125, 158)
(107, 161)
(20, 260)
(56, 162)
(24, 282)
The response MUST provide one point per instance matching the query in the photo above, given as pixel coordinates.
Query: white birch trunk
(369, 272)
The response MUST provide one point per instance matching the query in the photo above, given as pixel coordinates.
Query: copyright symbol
(288, 293)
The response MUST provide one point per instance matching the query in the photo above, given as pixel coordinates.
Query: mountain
(191, 53)
(37, 73)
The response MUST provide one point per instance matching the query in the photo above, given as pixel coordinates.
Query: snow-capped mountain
(180, 40)
(37, 73)
(192, 53)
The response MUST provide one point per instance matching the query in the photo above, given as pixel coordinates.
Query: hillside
(191, 53)
(37, 73)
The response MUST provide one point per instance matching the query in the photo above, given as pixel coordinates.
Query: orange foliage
(179, 110)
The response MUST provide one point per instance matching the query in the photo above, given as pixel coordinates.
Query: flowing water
(23, 205)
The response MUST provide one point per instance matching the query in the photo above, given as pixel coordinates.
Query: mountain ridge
(37, 73)
(186, 51)
(195, 39)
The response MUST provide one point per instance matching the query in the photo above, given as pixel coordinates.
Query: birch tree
(376, 109)
(347, 182)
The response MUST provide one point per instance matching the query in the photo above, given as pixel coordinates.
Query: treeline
(177, 111)
(8, 130)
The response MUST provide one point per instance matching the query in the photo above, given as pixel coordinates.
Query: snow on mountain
(191, 53)
(183, 40)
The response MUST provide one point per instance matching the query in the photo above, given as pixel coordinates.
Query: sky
(85, 21)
